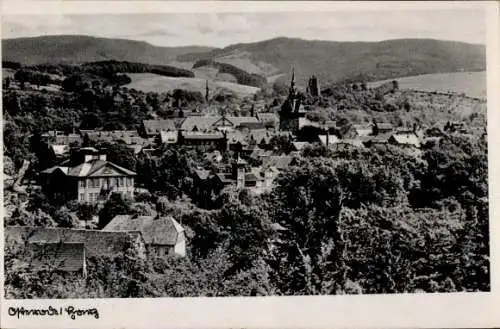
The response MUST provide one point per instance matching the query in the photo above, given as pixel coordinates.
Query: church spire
(291, 92)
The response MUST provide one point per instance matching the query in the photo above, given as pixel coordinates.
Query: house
(346, 144)
(69, 249)
(291, 110)
(269, 119)
(255, 179)
(129, 137)
(168, 136)
(404, 139)
(59, 138)
(151, 128)
(88, 178)
(362, 130)
(382, 128)
(162, 236)
(59, 150)
(205, 140)
(455, 127)
(219, 123)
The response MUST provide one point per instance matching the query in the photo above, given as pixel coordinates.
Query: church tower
(206, 90)
(291, 109)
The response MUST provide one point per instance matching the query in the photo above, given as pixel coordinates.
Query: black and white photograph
(245, 154)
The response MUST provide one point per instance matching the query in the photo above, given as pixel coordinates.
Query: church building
(292, 109)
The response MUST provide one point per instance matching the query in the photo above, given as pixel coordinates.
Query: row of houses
(68, 250)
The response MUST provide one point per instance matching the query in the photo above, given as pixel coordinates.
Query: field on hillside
(473, 84)
(148, 82)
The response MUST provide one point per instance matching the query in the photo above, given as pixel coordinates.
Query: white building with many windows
(90, 181)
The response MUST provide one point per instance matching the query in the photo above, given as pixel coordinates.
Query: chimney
(239, 172)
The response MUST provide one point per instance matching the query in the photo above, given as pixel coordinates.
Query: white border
(367, 311)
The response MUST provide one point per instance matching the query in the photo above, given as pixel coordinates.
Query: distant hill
(80, 49)
(330, 61)
(337, 61)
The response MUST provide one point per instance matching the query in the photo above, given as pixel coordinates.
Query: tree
(281, 144)
(306, 202)
(90, 121)
(116, 205)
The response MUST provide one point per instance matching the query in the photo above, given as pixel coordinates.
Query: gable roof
(97, 243)
(162, 231)
(95, 168)
(68, 257)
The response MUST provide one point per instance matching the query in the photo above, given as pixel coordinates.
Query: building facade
(90, 180)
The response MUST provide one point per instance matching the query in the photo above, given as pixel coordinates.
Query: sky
(223, 29)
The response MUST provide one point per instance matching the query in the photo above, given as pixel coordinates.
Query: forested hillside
(81, 49)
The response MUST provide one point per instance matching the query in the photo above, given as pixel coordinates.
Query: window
(90, 183)
(91, 197)
(82, 183)
(97, 182)
(82, 196)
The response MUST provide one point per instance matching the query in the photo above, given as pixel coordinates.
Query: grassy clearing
(473, 84)
(148, 82)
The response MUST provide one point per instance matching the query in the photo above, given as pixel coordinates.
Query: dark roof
(251, 125)
(61, 256)
(162, 230)
(155, 126)
(94, 168)
(127, 136)
(97, 243)
(202, 123)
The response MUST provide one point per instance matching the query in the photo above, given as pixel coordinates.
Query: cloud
(223, 29)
